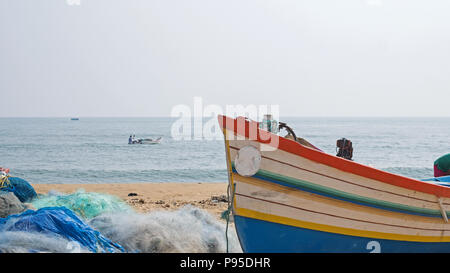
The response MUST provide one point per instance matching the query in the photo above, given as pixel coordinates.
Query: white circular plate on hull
(247, 161)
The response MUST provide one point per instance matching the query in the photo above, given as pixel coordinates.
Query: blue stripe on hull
(267, 237)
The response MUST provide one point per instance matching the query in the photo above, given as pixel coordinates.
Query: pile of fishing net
(54, 227)
(10, 204)
(188, 229)
(95, 222)
(84, 204)
(58, 229)
(14, 193)
(51, 229)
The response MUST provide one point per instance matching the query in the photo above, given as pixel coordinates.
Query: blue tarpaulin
(443, 180)
(59, 221)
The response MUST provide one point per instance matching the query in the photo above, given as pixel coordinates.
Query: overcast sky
(142, 57)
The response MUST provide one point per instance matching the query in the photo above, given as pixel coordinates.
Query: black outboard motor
(344, 148)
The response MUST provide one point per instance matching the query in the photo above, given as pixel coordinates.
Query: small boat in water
(74, 119)
(289, 196)
(145, 141)
(150, 140)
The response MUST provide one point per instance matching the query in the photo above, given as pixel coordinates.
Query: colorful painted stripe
(358, 190)
(340, 195)
(345, 181)
(338, 230)
(304, 185)
(261, 205)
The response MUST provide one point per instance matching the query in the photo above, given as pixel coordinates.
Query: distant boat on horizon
(74, 119)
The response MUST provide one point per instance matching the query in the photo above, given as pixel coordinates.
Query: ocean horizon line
(121, 117)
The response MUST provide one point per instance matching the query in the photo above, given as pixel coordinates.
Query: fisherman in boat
(130, 140)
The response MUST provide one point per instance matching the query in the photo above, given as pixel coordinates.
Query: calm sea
(96, 150)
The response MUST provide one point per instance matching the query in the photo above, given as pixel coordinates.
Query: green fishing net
(85, 204)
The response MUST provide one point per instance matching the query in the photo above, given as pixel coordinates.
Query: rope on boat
(4, 181)
(443, 212)
(228, 212)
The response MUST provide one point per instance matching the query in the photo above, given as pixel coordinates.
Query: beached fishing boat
(289, 197)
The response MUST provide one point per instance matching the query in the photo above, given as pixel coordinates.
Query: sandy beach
(145, 197)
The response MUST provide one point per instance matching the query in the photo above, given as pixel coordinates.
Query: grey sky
(142, 57)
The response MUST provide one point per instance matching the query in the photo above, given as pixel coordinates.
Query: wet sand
(155, 196)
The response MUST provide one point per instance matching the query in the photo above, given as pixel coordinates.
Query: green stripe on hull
(345, 195)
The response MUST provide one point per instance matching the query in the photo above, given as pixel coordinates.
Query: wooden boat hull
(304, 200)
